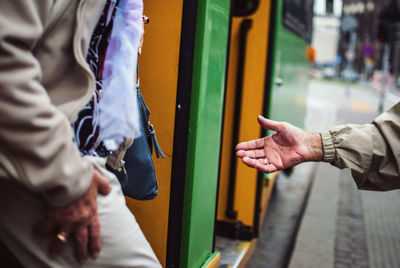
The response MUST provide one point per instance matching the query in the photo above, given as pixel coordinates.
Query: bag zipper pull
(157, 148)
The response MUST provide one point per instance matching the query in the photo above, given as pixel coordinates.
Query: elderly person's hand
(284, 149)
(78, 219)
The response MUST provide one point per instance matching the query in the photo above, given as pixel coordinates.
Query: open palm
(286, 148)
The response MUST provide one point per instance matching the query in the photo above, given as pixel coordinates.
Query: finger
(265, 168)
(44, 227)
(81, 243)
(259, 164)
(94, 239)
(241, 153)
(250, 145)
(56, 245)
(249, 161)
(269, 124)
(252, 154)
(103, 186)
(256, 154)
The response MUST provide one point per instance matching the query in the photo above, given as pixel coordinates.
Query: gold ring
(62, 236)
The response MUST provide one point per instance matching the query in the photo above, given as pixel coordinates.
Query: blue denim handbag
(138, 177)
(142, 181)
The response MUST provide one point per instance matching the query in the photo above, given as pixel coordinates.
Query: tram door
(158, 67)
(243, 192)
(182, 73)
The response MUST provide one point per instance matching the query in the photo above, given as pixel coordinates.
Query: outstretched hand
(289, 146)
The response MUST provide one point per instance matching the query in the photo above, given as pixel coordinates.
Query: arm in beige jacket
(371, 151)
(35, 136)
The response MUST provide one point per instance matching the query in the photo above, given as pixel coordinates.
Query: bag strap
(149, 128)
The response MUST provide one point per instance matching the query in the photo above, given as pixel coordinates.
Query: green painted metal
(204, 131)
(291, 65)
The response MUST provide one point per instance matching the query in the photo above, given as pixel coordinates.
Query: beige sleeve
(36, 139)
(372, 151)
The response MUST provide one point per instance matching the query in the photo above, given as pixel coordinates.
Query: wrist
(314, 142)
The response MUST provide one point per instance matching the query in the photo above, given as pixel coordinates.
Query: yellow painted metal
(266, 195)
(158, 78)
(249, 249)
(213, 263)
(252, 105)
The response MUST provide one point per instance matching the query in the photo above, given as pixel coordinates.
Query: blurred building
(326, 31)
(368, 49)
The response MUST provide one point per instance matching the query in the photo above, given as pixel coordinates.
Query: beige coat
(372, 151)
(44, 83)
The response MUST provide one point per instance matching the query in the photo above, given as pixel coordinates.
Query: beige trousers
(123, 243)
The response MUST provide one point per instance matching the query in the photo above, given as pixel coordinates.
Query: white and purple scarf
(112, 113)
(118, 109)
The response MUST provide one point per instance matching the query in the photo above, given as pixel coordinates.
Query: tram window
(297, 17)
(244, 7)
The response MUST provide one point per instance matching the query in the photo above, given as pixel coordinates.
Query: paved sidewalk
(316, 238)
(382, 224)
(332, 232)
(275, 244)
(342, 226)
(335, 225)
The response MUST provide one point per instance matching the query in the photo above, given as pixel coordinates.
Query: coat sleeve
(36, 139)
(371, 151)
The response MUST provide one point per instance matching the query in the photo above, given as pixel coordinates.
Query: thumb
(103, 186)
(269, 124)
